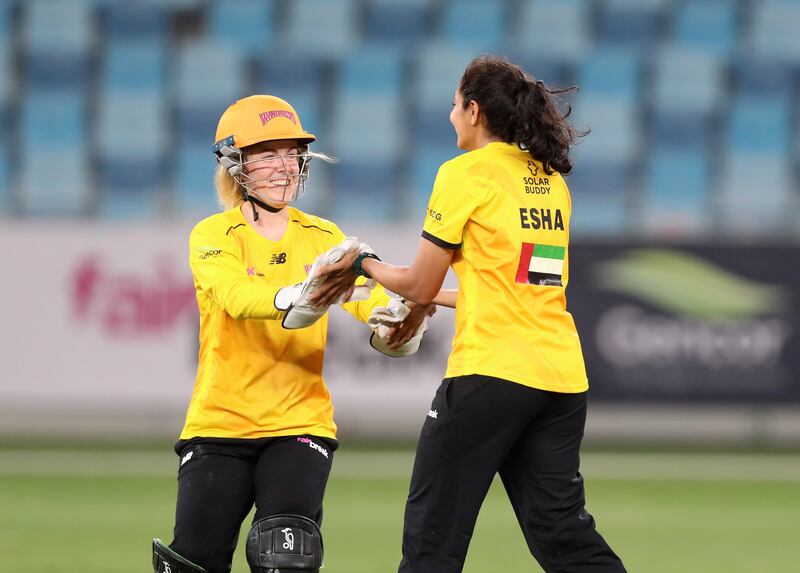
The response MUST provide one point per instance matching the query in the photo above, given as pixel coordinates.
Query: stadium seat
(470, 21)
(146, 21)
(773, 30)
(611, 74)
(601, 198)
(6, 196)
(247, 25)
(553, 28)
(708, 26)
(677, 191)
(134, 67)
(57, 38)
(52, 120)
(615, 132)
(133, 153)
(634, 24)
(397, 23)
(367, 127)
(437, 70)
(755, 200)
(425, 163)
(364, 190)
(755, 75)
(375, 70)
(687, 81)
(208, 78)
(553, 71)
(7, 84)
(681, 130)
(54, 182)
(760, 126)
(307, 19)
(196, 197)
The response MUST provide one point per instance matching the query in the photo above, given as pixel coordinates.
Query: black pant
(220, 479)
(479, 426)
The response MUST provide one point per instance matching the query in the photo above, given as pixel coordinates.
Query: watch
(360, 259)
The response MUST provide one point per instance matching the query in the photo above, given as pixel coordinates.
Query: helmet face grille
(287, 173)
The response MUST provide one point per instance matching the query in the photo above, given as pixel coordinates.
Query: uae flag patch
(541, 264)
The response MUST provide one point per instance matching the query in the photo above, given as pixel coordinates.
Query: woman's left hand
(406, 330)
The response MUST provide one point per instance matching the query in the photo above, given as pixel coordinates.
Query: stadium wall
(684, 343)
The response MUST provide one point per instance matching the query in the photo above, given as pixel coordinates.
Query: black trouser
(220, 479)
(479, 426)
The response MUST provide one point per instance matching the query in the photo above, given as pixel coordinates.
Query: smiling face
(271, 170)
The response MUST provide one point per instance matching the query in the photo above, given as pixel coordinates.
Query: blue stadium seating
(57, 38)
(52, 120)
(134, 67)
(466, 22)
(758, 75)
(553, 28)
(677, 194)
(635, 24)
(611, 74)
(142, 21)
(321, 28)
(773, 30)
(755, 198)
(760, 126)
(6, 196)
(248, 25)
(196, 197)
(708, 25)
(695, 85)
(400, 23)
(132, 151)
(54, 182)
(208, 78)
(687, 80)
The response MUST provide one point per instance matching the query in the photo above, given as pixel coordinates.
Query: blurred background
(684, 274)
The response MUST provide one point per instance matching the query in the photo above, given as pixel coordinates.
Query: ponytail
(521, 109)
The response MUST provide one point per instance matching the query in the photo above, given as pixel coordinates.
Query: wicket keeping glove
(383, 319)
(294, 299)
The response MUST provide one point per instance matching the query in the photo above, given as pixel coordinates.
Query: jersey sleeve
(219, 271)
(452, 202)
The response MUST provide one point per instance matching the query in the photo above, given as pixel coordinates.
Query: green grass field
(84, 511)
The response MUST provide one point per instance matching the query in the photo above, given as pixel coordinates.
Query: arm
(422, 280)
(219, 271)
(446, 297)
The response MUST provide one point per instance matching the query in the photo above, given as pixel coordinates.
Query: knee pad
(284, 543)
(165, 560)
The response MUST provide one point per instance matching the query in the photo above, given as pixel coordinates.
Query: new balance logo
(433, 414)
(278, 259)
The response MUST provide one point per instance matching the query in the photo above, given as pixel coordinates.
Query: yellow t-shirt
(255, 378)
(509, 221)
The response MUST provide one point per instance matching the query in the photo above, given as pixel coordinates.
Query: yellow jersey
(255, 378)
(509, 223)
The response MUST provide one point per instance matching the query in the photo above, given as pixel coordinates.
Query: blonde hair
(229, 193)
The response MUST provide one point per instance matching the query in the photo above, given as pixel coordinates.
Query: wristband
(359, 261)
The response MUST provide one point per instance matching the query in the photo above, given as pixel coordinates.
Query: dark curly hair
(521, 109)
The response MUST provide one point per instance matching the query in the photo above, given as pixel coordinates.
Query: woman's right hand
(338, 280)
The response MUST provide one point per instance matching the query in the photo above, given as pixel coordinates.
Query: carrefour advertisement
(688, 323)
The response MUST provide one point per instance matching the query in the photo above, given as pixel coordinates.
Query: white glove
(383, 319)
(294, 299)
